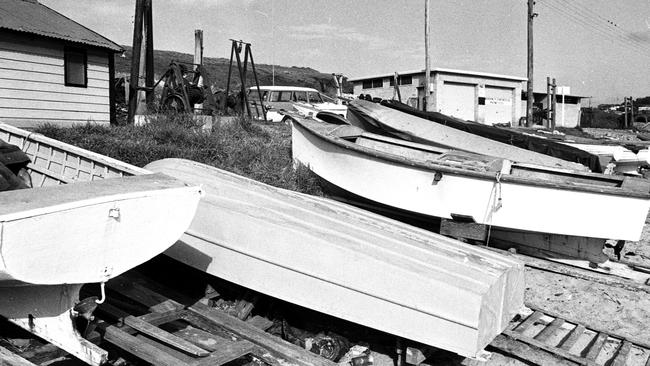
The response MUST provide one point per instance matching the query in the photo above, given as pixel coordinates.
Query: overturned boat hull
(347, 262)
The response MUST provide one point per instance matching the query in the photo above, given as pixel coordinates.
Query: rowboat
(87, 219)
(508, 200)
(347, 262)
(511, 136)
(416, 129)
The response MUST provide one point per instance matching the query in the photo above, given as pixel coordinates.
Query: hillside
(218, 71)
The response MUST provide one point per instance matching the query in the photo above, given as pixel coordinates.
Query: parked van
(306, 101)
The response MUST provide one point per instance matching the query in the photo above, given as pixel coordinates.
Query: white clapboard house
(52, 69)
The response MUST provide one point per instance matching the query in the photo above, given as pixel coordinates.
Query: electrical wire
(559, 7)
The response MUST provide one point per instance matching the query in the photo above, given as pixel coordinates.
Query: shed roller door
(498, 105)
(458, 100)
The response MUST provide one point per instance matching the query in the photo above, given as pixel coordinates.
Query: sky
(599, 48)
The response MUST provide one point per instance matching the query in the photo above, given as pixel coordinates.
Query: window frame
(66, 54)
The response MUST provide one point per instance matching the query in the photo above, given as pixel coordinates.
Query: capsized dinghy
(495, 192)
(347, 262)
(87, 219)
(416, 129)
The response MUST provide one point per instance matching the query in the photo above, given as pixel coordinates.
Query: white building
(52, 69)
(477, 96)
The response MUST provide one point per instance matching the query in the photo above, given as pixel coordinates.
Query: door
(458, 100)
(498, 105)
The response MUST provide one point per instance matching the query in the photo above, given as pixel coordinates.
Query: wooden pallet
(189, 333)
(547, 339)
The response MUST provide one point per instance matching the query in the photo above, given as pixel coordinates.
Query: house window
(402, 80)
(76, 67)
(373, 83)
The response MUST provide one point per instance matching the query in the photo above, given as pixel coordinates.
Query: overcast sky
(599, 48)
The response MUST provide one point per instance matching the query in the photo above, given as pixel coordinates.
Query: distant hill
(218, 72)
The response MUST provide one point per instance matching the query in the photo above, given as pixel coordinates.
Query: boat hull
(90, 232)
(421, 130)
(489, 201)
(347, 262)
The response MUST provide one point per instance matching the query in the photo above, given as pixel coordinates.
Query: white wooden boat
(416, 129)
(88, 219)
(347, 262)
(494, 192)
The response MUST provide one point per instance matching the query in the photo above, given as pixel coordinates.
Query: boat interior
(417, 152)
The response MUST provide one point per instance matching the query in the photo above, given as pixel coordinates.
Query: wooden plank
(558, 351)
(7, 54)
(466, 230)
(573, 337)
(596, 346)
(135, 291)
(52, 96)
(622, 353)
(532, 319)
(260, 322)
(53, 87)
(94, 79)
(52, 113)
(8, 358)
(164, 336)
(527, 352)
(138, 348)
(223, 350)
(261, 338)
(58, 105)
(550, 330)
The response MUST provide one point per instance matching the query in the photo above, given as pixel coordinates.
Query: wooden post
(554, 105)
(548, 102)
(198, 60)
(135, 60)
(631, 112)
(625, 111)
(427, 67)
(529, 88)
(149, 74)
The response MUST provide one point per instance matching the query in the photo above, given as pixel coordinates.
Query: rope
(497, 205)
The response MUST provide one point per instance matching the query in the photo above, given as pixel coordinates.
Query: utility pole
(530, 99)
(427, 67)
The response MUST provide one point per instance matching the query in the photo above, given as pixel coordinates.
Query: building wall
(477, 98)
(33, 90)
(572, 110)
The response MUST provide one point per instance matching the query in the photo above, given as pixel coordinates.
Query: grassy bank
(258, 151)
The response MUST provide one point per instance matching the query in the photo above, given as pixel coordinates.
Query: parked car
(307, 101)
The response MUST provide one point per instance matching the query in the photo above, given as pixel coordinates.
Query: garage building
(476, 96)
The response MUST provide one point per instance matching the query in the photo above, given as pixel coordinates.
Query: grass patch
(257, 151)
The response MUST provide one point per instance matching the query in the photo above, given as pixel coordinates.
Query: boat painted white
(417, 129)
(347, 262)
(88, 219)
(90, 231)
(442, 183)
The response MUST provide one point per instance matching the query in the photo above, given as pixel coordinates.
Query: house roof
(30, 16)
(442, 70)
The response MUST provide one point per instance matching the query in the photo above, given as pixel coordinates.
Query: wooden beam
(135, 59)
(272, 344)
(8, 358)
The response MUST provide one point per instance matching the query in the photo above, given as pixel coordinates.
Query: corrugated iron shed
(29, 16)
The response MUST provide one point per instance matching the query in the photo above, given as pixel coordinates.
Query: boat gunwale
(504, 178)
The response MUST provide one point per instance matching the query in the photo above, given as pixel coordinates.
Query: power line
(587, 23)
(608, 23)
(595, 26)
